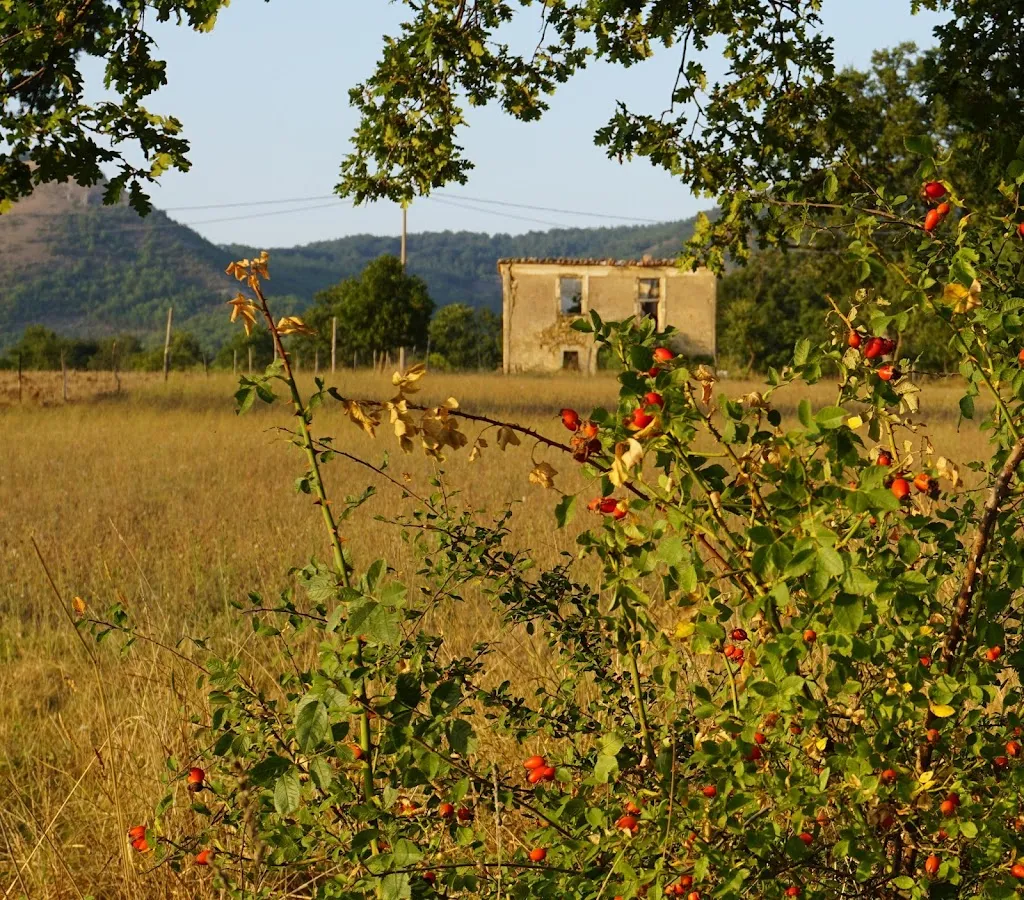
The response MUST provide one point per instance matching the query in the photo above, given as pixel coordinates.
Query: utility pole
(334, 342)
(167, 343)
(405, 218)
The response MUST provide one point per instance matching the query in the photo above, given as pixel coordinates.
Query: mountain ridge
(81, 268)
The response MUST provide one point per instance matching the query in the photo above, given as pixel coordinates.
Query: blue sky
(264, 102)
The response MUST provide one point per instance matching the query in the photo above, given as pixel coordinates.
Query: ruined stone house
(542, 297)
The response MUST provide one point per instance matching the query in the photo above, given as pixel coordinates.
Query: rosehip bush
(798, 676)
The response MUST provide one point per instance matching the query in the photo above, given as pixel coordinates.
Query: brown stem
(956, 634)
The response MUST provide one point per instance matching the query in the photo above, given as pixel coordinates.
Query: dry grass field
(161, 498)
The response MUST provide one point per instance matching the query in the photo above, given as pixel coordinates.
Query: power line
(501, 214)
(250, 203)
(568, 212)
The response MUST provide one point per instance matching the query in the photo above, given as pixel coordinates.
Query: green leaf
(565, 511)
(286, 793)
(847, 613)
(801, 351)
(396, 886)
(321, 773)
(804, 413)
(831, 186)
(376, 622)
(311, 724)
(830, 417)
(461, 737)
(967, 407)
(920, 144)
(605, 768)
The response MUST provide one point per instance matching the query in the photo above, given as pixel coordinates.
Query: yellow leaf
(78, 605)
(544, 475)
(366, 421)
(854, 422)
(407, 383)
(941, 711)
(244, 307)
(627, 454)
(293, 325)
(926, 777)
(684, 630)
(451, 403)
(962, 299)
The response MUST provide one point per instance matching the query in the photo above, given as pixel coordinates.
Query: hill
(81, 268)
(459, 266)
(74, 265)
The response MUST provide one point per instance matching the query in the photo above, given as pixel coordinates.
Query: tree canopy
(378, 311)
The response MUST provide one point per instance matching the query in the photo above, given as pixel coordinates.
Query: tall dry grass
(160, 498)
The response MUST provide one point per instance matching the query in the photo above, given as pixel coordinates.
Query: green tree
(50, 132)
(466, 338)
(381, 310)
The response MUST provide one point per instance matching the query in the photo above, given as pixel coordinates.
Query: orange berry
(923, 482)
(810, 636)
(931, 865)
(874, 348)
(926, 661)
(900, 487)
(738, 634)
(855, 339)
(357, 751)
(465, 814)
(931, 221)
(759, 738)
(993, 653)
(1020, 229)
(641, 418)
(755, 754)
(883, 459)
(1020, 356)
(943, 209)
(887, 372)
(136, 832)
(806, 837)
(889, 776)
(792, 891)
(627, 823)
(932, 736)
(663, 354)
(141, 845)
(446, 810)
(1017, 870)
(195, 778)
(538, 854)
(653, 398)
(590, 429)
(631, 808)
(709, 791)
(430, 877)
(1013, 749)
(935, 190)
(1000, 762)
(621, 511)
(534, 762)
(570, 418)
(203, 857)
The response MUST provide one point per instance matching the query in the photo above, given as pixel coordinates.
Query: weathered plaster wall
(536, 335)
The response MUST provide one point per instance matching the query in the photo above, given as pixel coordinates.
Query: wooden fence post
(250, 360)
(64, 377)
(206, 366)
(334, 342)
(234, 362)
(113, 362)
(19, 377)
(167, 343)
(316, 363)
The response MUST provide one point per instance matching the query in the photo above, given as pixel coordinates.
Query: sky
(264, 102)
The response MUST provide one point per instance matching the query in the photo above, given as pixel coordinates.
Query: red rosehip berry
(935, 190)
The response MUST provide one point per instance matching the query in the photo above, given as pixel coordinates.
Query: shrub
(798, 675)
